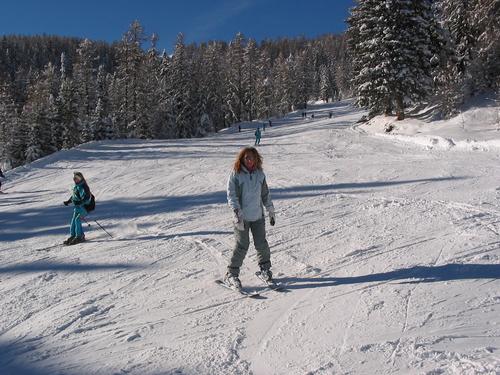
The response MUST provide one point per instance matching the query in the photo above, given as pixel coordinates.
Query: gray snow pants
(242, 237)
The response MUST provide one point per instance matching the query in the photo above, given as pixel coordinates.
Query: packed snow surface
(389, 251)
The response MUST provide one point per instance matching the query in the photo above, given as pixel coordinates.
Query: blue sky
(198, 20)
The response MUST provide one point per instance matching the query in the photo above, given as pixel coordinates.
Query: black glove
(272, 220)
(272, 217)
(67, 202)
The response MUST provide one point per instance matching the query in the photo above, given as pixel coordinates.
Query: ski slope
(390, 252)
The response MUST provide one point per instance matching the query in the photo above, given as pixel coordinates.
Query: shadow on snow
(54, 220)
(64, 267)
(416, 274)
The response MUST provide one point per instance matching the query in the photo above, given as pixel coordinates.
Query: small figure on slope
(258, 135)
(247, 195)
(1, 176)
(80, 197)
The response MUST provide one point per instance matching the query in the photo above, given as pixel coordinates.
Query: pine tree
(8, 121)
(265, 105)
(235, 79)
(324, 84)
(213, 89)
(250, 69)
(40, 115)
(35, 116)
(84, 79)
(149, 121)
(391, 51)
(458, 18)
(166, 112)
(284, 88)
(181, 90)
(67, 111)
(127, 81)
(486, 20)
(100, 120)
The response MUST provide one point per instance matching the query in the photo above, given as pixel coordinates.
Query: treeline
(397, 54)
(58, 92)
(412, 52)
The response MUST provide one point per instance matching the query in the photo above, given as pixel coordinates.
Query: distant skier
(1, 176)
(247, 195)
(270, 124)
(330, 114)
(258, 135)
(80, 197)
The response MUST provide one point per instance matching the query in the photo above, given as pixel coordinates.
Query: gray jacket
(249, 193)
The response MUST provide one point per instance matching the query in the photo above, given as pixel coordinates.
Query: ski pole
(100, 226)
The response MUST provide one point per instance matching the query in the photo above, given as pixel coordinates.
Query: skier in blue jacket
(247, 195)
(258, 135)
(79, 197)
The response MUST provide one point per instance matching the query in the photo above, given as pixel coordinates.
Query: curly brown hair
(238, 163)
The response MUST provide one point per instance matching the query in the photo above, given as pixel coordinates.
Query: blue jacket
(81, 194)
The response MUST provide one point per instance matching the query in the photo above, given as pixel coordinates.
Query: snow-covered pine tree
(14, 135)
(148, 119)
(68, 110)
(318, 61)
(265, 86)
(127, 81)
(324, 84)
(458, 19)
(166, 103)
(100, 119)
(84, 79)
(285, 84)
(390, 47)
(8, 120)
(486, 69)
(212, 86)
(235, 98)
(181, 90)
(303, 79)
(196, 62)
(35, 116)
(250, 71)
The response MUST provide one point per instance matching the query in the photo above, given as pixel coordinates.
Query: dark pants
(242, 237)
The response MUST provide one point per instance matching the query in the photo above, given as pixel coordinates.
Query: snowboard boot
(232, 281)
(68, 240)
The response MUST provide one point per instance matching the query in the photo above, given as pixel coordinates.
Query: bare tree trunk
(400, 110)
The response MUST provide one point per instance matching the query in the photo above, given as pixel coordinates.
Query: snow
(389, 248)
(475, 128)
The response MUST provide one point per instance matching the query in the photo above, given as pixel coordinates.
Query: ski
(55, 246)
(48, 248)
(240, 291)
(277, 287)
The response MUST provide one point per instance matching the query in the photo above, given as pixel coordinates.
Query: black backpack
(91, 205)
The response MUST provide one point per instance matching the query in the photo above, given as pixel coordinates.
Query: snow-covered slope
(476, 127)
(390, 253)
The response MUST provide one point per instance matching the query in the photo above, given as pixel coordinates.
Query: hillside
(389, 251)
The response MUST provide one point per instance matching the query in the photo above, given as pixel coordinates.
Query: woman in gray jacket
(247, 195)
